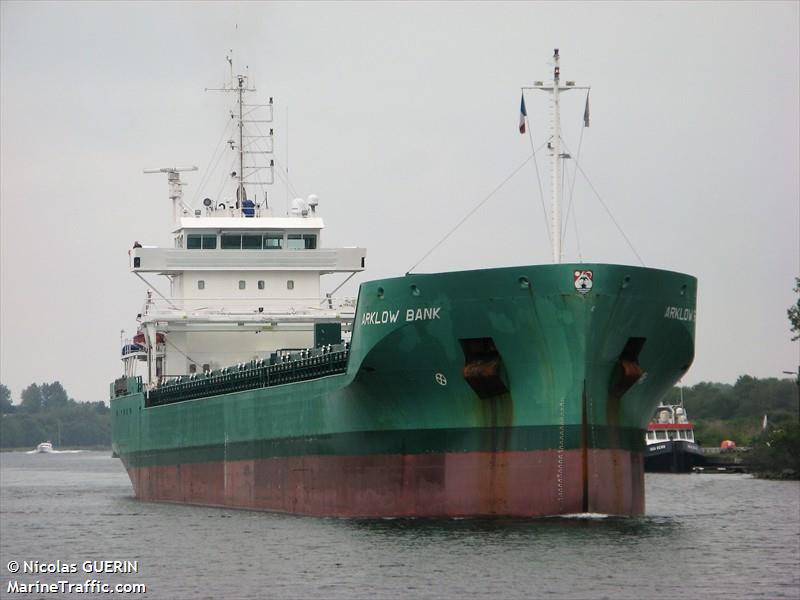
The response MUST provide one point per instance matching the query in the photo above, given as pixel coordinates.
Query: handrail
(249, 305)
(301, 366)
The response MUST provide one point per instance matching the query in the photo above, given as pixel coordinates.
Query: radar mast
(249, 137)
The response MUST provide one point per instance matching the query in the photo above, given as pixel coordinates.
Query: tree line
(46, 413)
(721, 411)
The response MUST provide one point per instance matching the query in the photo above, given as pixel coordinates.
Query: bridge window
(242, 284)
(690, 436)
(254, 241)
(661, 435)
(231, 241)
(273, 241)
(201, 285)
(302, 241)
(651, 435)
(290, 284)
(261, 284)
(197, 241)
(251, 241)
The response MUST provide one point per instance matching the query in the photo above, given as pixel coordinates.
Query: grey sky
(401, 118)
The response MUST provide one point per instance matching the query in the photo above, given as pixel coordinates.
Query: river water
(704, 536)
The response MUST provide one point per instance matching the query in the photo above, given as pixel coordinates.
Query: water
(705, 536)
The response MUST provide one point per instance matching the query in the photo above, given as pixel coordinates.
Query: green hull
(508, 385)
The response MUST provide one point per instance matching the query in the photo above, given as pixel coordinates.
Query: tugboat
(518, 391)
(671, 447)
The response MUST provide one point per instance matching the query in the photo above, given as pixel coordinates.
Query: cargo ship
(516, 391)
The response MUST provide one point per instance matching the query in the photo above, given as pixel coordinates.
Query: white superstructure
(242, 282)
(669, 423)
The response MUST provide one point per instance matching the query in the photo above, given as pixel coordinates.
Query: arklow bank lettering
(380, 317)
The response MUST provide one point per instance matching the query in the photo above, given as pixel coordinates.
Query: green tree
(11, 432)
(100, 407)
(31, 399)
(776, 452)
(6, 406)
(48, 413)
(794, 312)
(54, 396)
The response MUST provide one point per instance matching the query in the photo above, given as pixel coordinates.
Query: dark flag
(586, 112)
(523, 114)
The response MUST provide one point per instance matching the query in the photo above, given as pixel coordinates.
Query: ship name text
(380, 317)
(680, 314)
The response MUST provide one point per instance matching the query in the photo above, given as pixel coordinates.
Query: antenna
(556, 156)
(240, 84)
(175, 185)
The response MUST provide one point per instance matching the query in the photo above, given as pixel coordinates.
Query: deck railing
(160, 308)
(278, 370)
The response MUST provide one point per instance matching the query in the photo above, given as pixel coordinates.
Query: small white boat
(44, 447)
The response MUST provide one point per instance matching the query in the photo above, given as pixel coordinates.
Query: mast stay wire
(538, 177)
(575, 224)
(570, 208)
(608, 211)
(283, 173)
(224, 179)
(475, 208)
(574, 214)
(215, 158)
(280, 171)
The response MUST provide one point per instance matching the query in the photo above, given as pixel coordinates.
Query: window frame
(222, 241)
(252, 237)
(280, 236)
(201, 241)
(304, 238)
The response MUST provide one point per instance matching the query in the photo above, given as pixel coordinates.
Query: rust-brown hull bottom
(469, 484)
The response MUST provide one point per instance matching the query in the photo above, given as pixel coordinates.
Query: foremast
(554, 145)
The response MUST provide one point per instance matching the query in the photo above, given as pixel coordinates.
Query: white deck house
(241, 287)
(242, 282)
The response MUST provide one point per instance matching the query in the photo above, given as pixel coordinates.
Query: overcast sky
(402, 117)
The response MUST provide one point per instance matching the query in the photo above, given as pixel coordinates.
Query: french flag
(523, 115)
